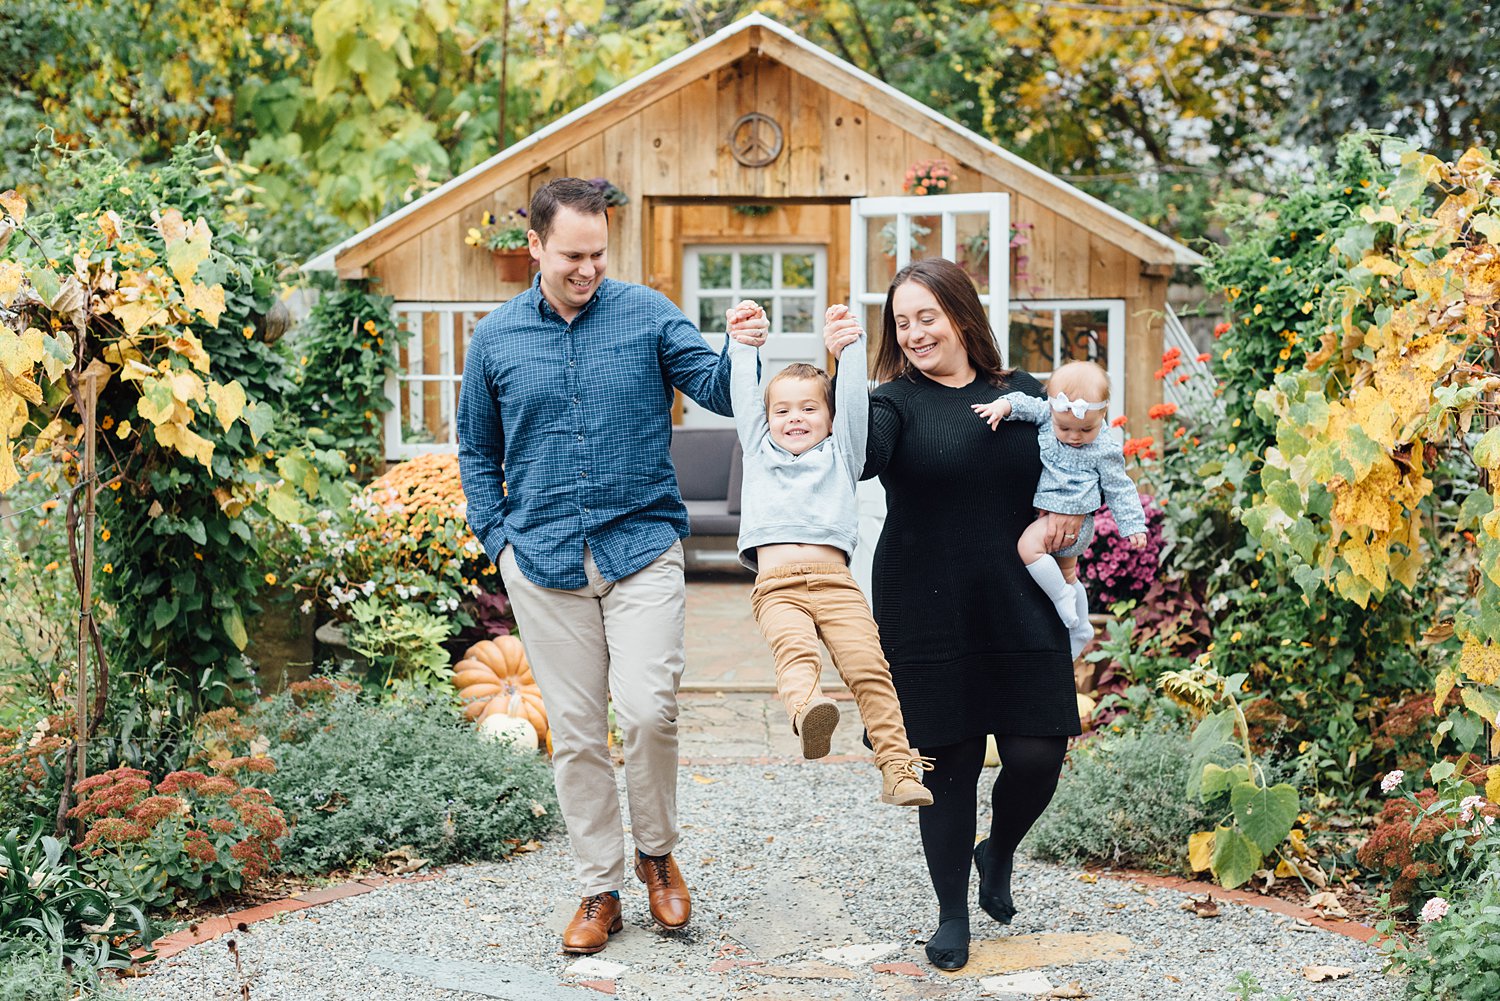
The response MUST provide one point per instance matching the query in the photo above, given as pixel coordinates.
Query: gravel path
(785, 862)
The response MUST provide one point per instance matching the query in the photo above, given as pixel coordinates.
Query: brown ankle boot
(597, 919)
(901, 781)
(814, 723)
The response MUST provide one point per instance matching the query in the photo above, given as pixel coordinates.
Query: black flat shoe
(948, 949)
(995, 899)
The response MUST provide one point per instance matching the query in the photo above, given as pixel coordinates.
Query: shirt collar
(545, 310)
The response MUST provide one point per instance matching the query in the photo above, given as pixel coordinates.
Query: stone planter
(333, 644)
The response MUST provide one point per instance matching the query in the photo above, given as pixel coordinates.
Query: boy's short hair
(1080, 380)
(802, 370)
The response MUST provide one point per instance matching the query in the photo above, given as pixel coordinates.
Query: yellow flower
(1236, 423)
(369, 326)
(114, 484)
(1365, 183)
(1234, 637)
(1257, 309)
(271, 579)
(303, 360)
(1278, 370)
(1307, 307)
(1231, 448)
(104, 535)
(109, 568)
(1255, 584)
(50, 567)
(248, 331)
(1286, 352)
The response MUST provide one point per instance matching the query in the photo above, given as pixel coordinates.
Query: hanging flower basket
(513, 265)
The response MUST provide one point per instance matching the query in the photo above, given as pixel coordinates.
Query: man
(564, 424)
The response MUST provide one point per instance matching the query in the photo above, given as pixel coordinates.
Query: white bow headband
(1078, 408)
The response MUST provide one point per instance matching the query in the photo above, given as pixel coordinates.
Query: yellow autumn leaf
(1201, 850)
(184, 440)
(190, 347)
(170, 225)
(134, 316)
(1376, 264)
(13, 204)
(26, 389)
(187, 386)
(1492, 784)
(229, 402)
(208, 301)
(122, 430)
(184, 255)
(11, 274)
(1480, 661)
(111, 226)
(19, 353)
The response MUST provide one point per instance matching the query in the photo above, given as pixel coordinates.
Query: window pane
(798, 270)
(755, 271)
(797, 315)
(972, 248)
(714, 271)
(421, 417)
(1085, 335)
(1031, 339)
(711, 310)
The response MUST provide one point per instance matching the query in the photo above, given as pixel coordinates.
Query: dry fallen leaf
(704, 780)
(1087, 877)
(1204, 908)
(1318, 974)
(1072, 990)
(1328, 904)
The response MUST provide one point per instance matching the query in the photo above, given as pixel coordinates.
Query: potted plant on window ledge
(505, 238)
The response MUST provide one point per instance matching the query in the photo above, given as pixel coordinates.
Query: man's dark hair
(574, 192)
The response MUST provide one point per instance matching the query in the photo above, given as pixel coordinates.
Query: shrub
(48, 901)
(192, 837)
(1458, 958)
(1428, 841)
(1120, 801)
(358, 779)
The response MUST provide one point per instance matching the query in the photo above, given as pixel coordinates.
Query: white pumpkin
(510, 730)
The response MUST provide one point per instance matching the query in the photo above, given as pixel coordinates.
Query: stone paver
(491, 980)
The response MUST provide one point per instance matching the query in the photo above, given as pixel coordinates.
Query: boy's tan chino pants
(796, 604)
(609, 639)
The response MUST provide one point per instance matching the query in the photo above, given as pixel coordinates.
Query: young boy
(798, 524)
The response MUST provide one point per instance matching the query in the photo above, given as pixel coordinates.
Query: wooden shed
(759, 165)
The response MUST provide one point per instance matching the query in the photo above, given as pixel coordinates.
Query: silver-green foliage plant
(401, 641)
(1120, 802)
(358, 778)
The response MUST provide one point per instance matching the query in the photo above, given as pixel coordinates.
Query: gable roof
(756, 32)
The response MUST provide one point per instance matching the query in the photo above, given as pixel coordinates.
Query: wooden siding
(670, 149)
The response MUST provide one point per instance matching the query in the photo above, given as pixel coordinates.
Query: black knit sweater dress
(975, 646)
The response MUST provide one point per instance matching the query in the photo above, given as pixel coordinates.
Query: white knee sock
(1049, 575)
(1080, 635)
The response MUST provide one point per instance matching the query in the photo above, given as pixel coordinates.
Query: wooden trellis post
(88, 405)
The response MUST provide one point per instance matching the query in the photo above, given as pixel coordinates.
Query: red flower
(1182, 378)
(1205, 357)
(1221, 329)
(1161, 410)
(1140, 446)
(1118, 422)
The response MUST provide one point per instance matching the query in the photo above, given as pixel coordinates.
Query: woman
(974, 645)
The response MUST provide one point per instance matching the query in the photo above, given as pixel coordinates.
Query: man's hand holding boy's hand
(993, 413)
(1137, 541)
(840, 329)
(748, 323)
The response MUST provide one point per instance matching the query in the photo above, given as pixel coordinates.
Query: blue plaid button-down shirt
(576, 420)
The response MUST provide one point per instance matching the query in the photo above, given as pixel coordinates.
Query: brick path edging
(1197, 887)
(211, 928)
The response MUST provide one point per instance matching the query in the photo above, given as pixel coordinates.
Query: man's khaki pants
(797, 603)
(620, 639)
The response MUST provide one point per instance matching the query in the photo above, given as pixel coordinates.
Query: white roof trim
(325, 260)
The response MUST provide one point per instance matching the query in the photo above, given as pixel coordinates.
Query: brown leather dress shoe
(670, 904)
(597, 919)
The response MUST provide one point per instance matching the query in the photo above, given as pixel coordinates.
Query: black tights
(1028, 778)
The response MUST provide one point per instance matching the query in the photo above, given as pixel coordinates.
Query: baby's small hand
(993, 413)
(840, 329)
(1138, 540)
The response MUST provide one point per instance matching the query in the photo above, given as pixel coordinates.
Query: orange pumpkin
(495, 677)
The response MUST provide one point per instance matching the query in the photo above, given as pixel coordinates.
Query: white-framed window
(1045, 333)
(789, 280)
(424, 388)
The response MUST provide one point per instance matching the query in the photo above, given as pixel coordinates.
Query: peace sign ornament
(755, 140)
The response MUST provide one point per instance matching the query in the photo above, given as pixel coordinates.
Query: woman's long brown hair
(955, 293)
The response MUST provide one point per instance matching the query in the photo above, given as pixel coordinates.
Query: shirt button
(571, 363)
(580, 437)
(583, 475)
(575, 401)
(585, 510)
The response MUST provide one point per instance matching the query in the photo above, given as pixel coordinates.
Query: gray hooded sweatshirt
(807, 498)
